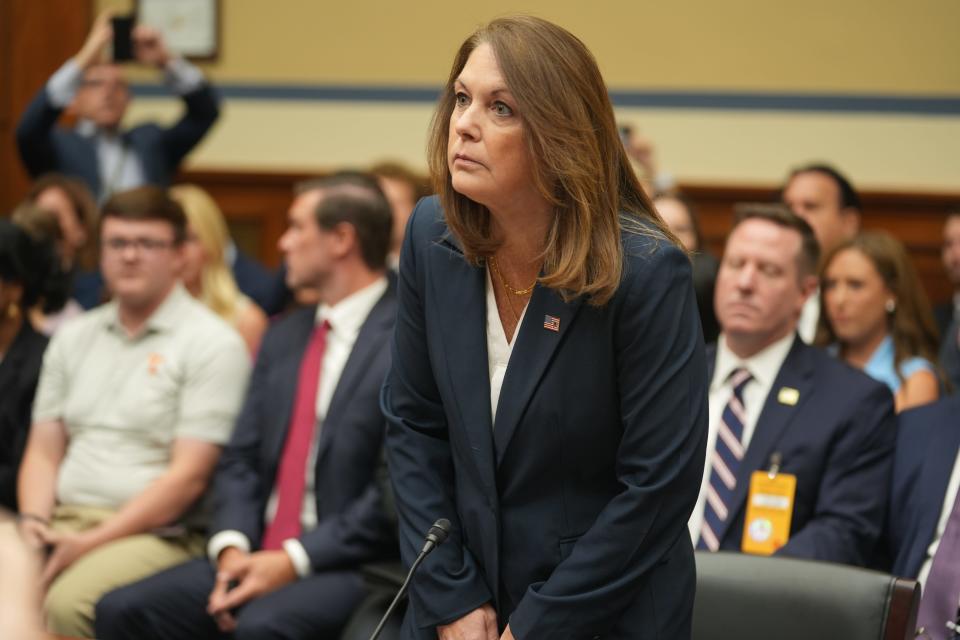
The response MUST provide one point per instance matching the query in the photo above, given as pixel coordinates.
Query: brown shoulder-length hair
(581, 168)
(84, 207)
(911, 324)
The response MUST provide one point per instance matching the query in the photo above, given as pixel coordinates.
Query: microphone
(435, 537)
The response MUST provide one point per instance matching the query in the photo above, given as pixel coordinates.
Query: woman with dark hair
(24, 264)
(77, 215)
(548, 389)
(878, 318)
(53, 306)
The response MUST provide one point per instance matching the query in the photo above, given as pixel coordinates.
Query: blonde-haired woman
(206, 274)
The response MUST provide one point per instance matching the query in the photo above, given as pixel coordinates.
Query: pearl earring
(890, 306)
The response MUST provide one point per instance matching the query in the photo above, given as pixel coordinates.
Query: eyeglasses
(119, 245)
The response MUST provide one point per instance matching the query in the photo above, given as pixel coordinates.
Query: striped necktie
(942, 589)
(724, 464)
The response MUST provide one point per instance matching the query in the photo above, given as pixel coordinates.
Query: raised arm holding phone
(98, 150)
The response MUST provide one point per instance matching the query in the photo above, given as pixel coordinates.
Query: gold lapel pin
(788, 396)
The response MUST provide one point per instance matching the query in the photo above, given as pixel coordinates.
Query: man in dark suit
(948, 315)
(775, 401)
(286, 547)
(98, 151)
(922, 496)
(923, 526)
(826, 199)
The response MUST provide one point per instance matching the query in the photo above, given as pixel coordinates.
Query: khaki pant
(70, 601)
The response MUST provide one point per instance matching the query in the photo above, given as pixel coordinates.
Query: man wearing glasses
(135, 400)
(98, 151)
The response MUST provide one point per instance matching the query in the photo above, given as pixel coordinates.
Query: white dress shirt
(809, 317)
(764, 367)
(948, 499)
(498, 349)
(345, 318)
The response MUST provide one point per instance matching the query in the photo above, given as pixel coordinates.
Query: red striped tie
(292, 473)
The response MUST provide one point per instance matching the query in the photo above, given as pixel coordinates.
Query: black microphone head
(439, 531)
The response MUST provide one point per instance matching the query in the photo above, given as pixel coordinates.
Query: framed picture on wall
(189, 27)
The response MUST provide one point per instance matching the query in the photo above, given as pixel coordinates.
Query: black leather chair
(383, 580)
(750, 597)
(742, 597)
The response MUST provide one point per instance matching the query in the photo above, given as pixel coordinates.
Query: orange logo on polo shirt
(154, 360)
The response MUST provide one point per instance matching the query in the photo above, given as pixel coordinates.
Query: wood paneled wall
(915, 218)
(36, 37)
(256, 203)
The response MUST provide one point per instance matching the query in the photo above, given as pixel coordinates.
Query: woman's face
(486, 153)
(855, 298)
(74, 235)
(677, 217)
(194, 258)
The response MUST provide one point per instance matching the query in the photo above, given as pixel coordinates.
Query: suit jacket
(926, 451)
(266, 288)
(950, 354)
(705, 268)
(569, 511)
(838, 440)
(44, 147)
(943, 314)
(19, 373)
(351, 527)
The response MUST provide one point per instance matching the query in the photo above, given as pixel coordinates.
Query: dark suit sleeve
(449, 584)
(661, 374)
(349, 538)
(35, 135)
(203, 109)
(851, 505)
(238, 492)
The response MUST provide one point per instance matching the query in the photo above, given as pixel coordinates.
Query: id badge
(766, 527)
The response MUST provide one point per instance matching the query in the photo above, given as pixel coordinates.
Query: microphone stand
(435, 537)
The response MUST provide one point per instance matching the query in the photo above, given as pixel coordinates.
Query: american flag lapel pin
(552, 323)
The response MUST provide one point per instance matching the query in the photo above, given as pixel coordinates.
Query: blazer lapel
(795, 373)
(941, 453)
(288, 380)
(371, 339)
(536, 344)
(459, 289)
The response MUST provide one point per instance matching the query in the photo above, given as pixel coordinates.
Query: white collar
(763, 365)
(347, 316)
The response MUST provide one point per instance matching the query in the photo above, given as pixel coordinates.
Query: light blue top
(880, 366)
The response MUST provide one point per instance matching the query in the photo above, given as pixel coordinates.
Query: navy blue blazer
(950, 354)
(838, 440)
(351, 527)
(264, 286)
(569, 511)
(926, 451)
(44, 147)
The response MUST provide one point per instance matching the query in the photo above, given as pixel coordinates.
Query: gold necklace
(516, 292)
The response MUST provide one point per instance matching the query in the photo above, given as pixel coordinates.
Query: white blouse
(498, 349)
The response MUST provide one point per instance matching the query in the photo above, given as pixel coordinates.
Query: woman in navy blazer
(548, 387)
